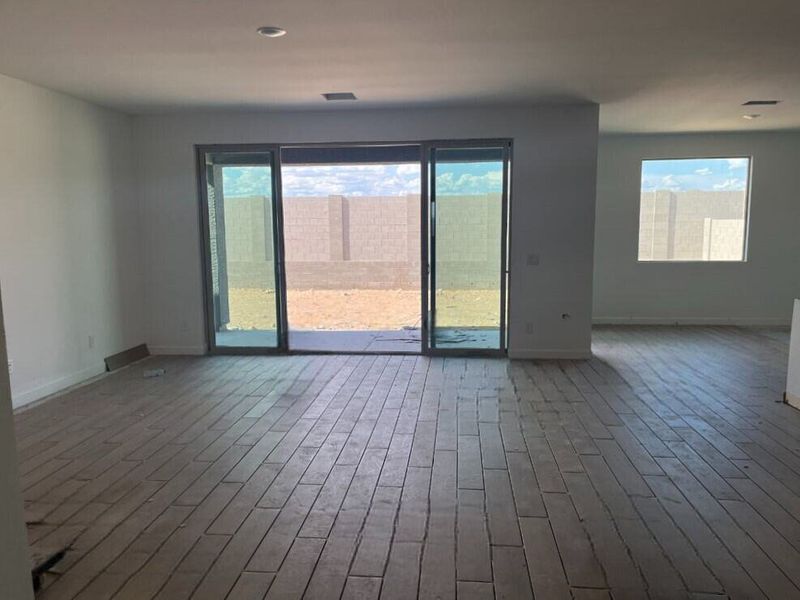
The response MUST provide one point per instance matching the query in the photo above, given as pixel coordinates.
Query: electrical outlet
(529, 328)
(533, 260)
(91, 342)
(10, 366)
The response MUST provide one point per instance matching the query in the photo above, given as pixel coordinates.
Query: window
(694, 209)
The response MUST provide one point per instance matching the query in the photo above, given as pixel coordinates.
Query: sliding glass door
(368, 246)
(467, 192)
(241, 218)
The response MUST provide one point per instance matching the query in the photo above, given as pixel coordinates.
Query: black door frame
(202, 150)
(429, 239)
(427, 211)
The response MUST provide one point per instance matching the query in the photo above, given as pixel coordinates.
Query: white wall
(15, 567)
(793, 375)
(759, 291)
(552, 207)
(70, 245)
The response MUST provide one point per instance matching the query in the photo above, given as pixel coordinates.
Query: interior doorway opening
(352, 243)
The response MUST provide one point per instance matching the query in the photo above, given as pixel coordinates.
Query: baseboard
(740, 322)
(178, 350)
(549, 354)
(21, 398)
(791, 399)
(126, 357)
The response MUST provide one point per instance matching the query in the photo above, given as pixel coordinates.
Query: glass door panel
(242, 270)
(468, 188)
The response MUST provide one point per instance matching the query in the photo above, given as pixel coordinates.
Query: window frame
(747, 200)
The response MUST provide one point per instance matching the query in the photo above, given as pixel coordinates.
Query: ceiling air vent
(339, 96)
(761, 103)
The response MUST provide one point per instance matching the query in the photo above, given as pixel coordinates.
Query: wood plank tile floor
(665, 467)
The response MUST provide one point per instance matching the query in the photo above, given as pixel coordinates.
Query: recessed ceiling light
(750, 117)
(761, 103)
(271, 31)
(339, 96)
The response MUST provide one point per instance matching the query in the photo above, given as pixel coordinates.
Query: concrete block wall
(248, 229)
(367, 242)
(468, 230)
(379, 228)
(306, 227)
(692, 225)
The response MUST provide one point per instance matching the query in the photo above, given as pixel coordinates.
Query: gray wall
(15, 571)
(553, 194)
(758, 291)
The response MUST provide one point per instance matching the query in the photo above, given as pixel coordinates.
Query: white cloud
(669, 182)
(713, 174)
(247, 181)
(466, 183)
(350, 180)
(357, 180)
(733, 183)
(408, 169)
(736, 163)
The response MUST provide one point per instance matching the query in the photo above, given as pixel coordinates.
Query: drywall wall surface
(759, 291)
(793, 376)
(552, 212)
(69, 238)
(15, 567)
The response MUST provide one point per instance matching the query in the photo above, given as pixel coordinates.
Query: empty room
(394, 300)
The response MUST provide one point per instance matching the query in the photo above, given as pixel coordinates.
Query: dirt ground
(349, 310)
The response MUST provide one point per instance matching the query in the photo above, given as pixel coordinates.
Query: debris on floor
(42, 563)
(150, 373)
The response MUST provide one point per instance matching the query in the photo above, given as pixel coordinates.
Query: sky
(363, 179)
(705, 174)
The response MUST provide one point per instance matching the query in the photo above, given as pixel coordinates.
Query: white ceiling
(669, 65)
